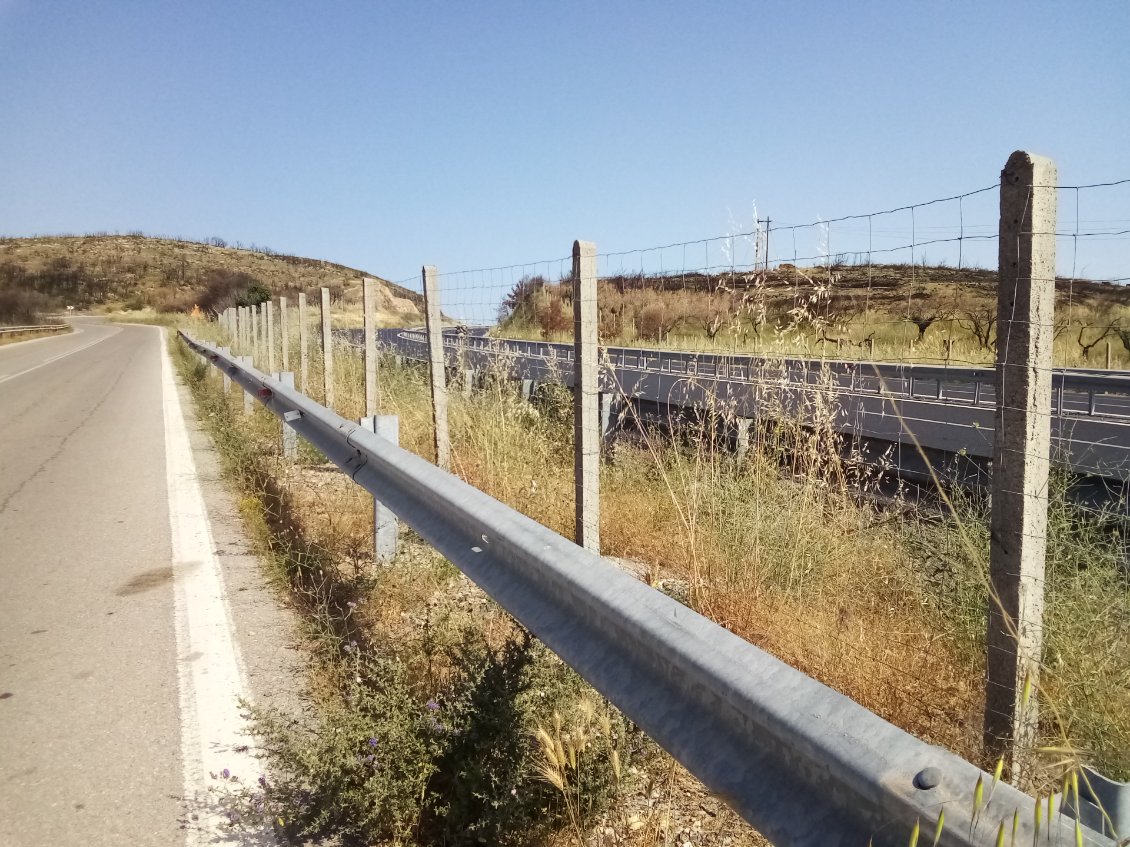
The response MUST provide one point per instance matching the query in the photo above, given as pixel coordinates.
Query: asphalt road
(118, 667)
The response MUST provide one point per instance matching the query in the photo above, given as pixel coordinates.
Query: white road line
(209, 669)
(7, 377)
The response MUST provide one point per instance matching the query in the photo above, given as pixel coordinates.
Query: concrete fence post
(1021, 457)
(253, 329)
(1108, 355)
(255, 348)
(369, 300)
(434, 318)
(289, 436)
(385, 524)
(303, 344)
(327, 350)
(586, 398)
(269, 308)
(284, 335)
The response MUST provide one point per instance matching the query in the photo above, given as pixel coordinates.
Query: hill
(114, 272)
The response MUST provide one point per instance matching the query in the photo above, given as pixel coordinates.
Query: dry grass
(843, 313)
(887, 609)
(138, 272)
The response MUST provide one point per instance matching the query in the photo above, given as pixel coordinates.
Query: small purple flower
(431, 706)
(372, 742)
(225, 773)
(262, 781)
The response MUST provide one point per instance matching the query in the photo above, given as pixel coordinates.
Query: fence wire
(743, 478)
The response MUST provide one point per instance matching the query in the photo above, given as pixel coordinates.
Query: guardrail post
(227, 377)
(385, 524)
(327, 350)
(1108, 355)
(1021, 457)
(434, 318)
(248, 405)
(303, 344)
(269, 308)
(284, 335)
(369, 299)
(586, 398)
(289, 436)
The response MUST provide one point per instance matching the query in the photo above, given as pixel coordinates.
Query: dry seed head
(552, 775)
(547, 746)
(587, 708)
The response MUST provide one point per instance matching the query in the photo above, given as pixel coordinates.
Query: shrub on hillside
(224, 288)
(20, 306)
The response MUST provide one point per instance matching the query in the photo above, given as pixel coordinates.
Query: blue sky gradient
(385, 136)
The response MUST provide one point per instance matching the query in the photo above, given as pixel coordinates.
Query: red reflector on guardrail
(264, 393)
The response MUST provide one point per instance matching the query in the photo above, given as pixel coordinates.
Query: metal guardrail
(802, 763)
(15, 330)
(951, 410)
(892, 378)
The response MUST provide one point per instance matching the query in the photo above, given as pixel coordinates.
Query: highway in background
(891, 408)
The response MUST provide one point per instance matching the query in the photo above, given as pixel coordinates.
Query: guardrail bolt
(928, 778)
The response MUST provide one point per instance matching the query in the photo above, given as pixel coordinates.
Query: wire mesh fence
(763, 403)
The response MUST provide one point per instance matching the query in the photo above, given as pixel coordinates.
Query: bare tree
(1087, 347)
(924, 311)
(982, 322)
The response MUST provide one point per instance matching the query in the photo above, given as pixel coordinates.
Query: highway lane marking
(4, 378)
(212, 737)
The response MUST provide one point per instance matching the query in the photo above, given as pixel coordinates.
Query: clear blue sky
(465, 135)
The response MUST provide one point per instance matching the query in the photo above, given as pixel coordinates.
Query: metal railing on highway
(802, 763)
(16, 330)
(951, 410)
